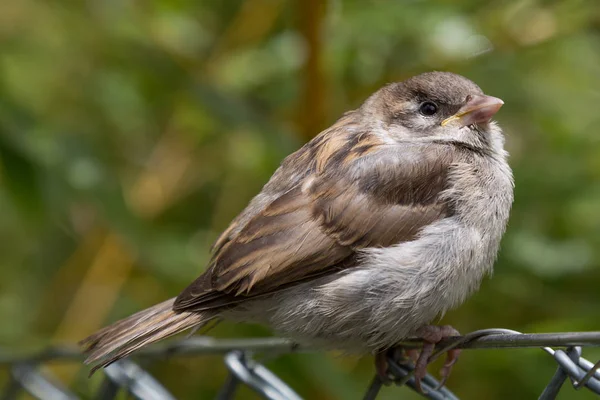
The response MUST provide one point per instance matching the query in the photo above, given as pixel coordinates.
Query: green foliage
(131, 133)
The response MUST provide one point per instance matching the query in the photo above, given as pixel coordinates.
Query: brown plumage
(320, 220)
(302, 233)
(367, 182)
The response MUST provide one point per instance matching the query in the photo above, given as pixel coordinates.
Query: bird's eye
(428, 108)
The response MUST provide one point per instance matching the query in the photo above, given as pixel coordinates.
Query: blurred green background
(132, 132)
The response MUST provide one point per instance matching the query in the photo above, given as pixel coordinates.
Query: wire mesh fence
(244, 369)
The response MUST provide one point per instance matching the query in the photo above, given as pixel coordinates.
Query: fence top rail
(126, 375)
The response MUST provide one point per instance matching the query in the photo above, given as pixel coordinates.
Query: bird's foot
(431, 336)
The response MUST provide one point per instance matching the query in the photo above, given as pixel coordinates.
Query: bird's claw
(431, 336)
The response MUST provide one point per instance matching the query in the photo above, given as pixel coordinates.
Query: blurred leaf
(22, 178)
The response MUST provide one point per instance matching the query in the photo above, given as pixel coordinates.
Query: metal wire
(129, 377)
(257, 377)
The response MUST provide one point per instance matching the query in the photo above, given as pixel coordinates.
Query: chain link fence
(127, 376)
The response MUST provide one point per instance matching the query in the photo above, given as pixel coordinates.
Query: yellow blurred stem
(94, 298)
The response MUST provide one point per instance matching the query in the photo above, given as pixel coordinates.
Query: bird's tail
(128, 335)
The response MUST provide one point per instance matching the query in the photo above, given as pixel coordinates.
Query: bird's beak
(479, 109)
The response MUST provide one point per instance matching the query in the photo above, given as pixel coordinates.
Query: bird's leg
(431, 336)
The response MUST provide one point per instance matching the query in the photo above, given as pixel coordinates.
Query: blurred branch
(312, 110)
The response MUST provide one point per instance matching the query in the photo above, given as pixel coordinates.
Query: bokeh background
(132, 132)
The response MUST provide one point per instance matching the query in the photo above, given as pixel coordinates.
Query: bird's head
(436, 106)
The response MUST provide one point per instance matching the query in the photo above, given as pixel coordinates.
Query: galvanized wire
(127, 376)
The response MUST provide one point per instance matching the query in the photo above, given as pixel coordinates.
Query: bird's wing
(325, 203)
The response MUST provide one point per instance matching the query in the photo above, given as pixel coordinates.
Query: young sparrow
(362, 237)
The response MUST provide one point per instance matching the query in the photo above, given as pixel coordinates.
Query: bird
(362, 237)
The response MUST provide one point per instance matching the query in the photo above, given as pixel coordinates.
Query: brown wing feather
(311, 218)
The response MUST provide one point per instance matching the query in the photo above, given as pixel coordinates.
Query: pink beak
(478, 110)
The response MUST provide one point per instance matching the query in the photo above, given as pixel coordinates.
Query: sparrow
(362, 237)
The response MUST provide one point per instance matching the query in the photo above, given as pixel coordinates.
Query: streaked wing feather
(311, 218)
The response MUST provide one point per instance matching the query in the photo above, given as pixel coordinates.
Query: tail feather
(128, 335)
